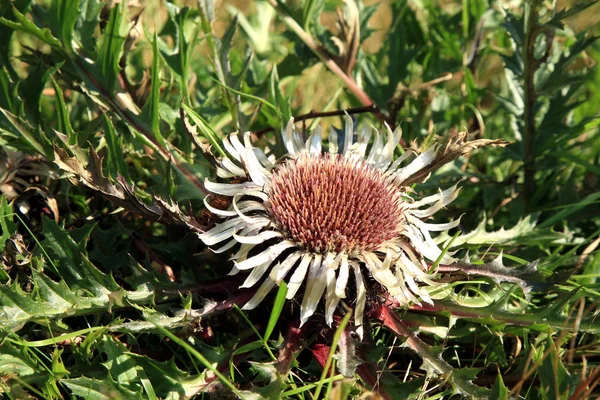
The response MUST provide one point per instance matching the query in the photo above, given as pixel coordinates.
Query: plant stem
(529, 66)
(425, 351)
(526, 319)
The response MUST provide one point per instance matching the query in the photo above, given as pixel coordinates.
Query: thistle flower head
(320, 220)
(328, 203)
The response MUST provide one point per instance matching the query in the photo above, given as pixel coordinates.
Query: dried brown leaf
(122, 193)
(457, 145)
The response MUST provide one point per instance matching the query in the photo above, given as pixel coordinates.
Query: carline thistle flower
(317, 218)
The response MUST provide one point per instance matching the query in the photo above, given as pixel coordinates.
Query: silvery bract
(320, 217)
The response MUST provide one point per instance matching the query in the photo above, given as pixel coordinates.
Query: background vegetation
(106, 112)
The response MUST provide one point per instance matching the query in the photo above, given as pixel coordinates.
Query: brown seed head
(333, 203)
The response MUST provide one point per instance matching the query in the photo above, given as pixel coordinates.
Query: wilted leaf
(456, 146)
(124, 194)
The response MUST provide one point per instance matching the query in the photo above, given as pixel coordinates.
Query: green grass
(111, 118)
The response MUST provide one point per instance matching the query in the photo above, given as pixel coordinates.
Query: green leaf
(204, 128)
(14, 362)
(9, 227)
(178, 57)
(6, 32)
(115, 156)
(150, 111)
(62, 16)
(556, 381)
(499, 390)
(95, 389)
(82, 289)
(559, 74)
(570, 209)
(31, 88)
(283, 104)
(8, 92)
(25, 133)
(22, 23)
(120, 365)
(168, 380)
(87, 23)
(276, 310)
(64, 121)
(195, 354)
(111, 48)
(480, 236)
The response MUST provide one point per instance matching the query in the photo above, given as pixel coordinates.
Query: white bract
(320, 220)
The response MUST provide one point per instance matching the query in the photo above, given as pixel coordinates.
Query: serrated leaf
(556, 381)
(61, 17)
(118, 363)
(8, 91)
(122, 193)
(31, 88)
(526, 277)
(204, 128)
(178, 57)
(34, 141)
(14, 363)
(95, 389)
(6, 32)
(278, 99)
(21, 23)
(560, 75)
(84, 288)
(169, 381)
(480, 236)
(499, 390)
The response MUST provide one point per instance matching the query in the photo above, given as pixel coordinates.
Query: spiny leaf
(169, 381)
(84, 288)
(499, 390)
(480, 236)
(556, 381)
(203, 127)
(115, 157)
(96, 389)
(64, 121)
(178, 57)
(124, 194)
(526, 277)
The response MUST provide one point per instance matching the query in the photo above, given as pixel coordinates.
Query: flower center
(332, 203)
